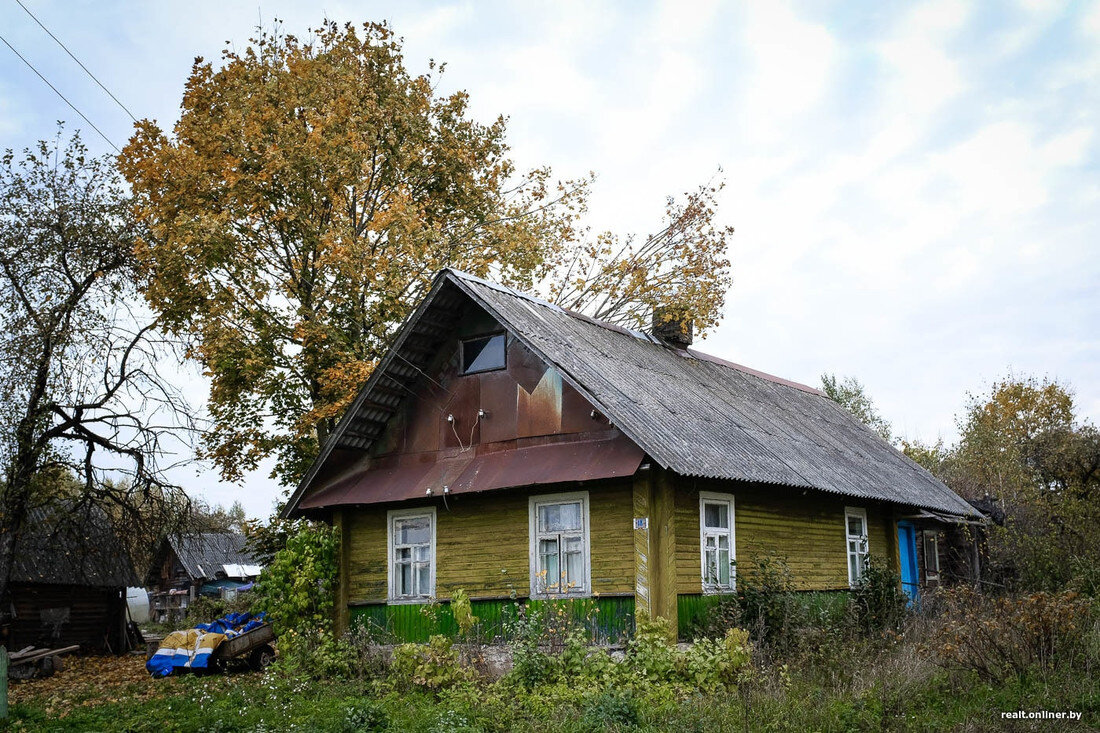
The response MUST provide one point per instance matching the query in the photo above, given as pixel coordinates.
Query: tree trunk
(8, 527)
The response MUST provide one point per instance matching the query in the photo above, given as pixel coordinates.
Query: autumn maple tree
(305, 198)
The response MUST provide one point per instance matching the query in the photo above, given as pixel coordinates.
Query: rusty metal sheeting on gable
(532, 465)
(700, 416)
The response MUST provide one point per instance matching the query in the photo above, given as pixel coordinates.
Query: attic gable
(459, 379)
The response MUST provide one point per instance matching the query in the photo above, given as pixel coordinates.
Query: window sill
(408, 601)
(721, 590)
(558, 596)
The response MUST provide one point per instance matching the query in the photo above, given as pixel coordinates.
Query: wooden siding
(482, 544)
(94, 617)
(807, 529)
(366, 554)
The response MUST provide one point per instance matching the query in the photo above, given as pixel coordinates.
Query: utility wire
(51, 86)
(74, 58)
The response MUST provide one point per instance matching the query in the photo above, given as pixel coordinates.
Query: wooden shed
(68, 584)
(204, 563)
(514, 449)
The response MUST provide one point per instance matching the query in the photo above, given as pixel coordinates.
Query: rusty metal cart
(254, 647)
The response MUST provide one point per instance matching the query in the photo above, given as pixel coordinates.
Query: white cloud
(791, 68)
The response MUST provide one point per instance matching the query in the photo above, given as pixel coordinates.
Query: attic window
(483, 354)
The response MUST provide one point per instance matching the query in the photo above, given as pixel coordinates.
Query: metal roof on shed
(692, 413)
(204, 555)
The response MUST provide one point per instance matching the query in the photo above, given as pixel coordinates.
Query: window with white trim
(716, 542)
(560, 554)
(931, 555)
(855, 527)
(411, 540)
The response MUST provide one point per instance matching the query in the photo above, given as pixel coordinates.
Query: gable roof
(204, 555)
(690, 412)
(68, 545)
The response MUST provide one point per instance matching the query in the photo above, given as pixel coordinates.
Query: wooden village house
(68, 583)
(215, 564)
(515, 449)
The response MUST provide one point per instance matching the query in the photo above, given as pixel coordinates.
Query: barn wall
(95, 617)
(805, 529)
(482, 543)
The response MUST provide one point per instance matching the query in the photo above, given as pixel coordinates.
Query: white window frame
(851, 511)
(391, 518)
(931, 572)
(533, 543)
(710, 497)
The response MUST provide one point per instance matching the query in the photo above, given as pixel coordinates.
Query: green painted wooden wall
(606, 619)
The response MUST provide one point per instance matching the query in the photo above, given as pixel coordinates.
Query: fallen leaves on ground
(91, 681)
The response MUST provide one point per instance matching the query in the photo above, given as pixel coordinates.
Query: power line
(74, 58)
(51, 86)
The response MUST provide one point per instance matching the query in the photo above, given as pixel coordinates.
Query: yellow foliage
(308, 193)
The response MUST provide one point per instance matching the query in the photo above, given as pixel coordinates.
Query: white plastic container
(137, 600)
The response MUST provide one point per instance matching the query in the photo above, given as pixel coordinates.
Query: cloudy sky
(915, 187)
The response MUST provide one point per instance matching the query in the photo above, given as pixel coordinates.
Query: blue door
(907, 552)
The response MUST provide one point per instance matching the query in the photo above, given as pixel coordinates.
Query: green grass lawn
(121, 698)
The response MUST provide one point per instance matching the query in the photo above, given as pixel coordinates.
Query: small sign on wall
(641, 523)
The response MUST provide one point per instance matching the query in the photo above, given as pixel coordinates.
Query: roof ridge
(640, 335)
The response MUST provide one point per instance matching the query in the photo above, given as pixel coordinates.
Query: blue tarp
(191, 649)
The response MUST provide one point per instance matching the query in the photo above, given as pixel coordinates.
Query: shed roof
(71, 545)
(204, 555)
(690, 412)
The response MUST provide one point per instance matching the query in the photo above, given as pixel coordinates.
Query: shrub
(649, 655)
(531, 666)
(878, 602)
(433, 666)
(770, 608)
(998, 638)
(297, 588)
(365, 716)
(205, 609)
(315, 654)
(712, 664)
(297, 591)
(610, 709)
(463, 613)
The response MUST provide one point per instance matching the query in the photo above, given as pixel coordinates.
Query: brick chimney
(674, 329)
